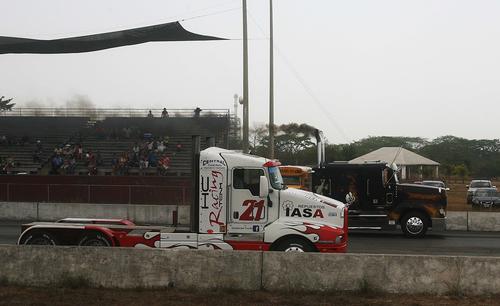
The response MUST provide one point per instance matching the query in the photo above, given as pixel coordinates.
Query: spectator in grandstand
(114, 160)
(67, 151)
(71, 166)
(163, 165)
(39, 145)
(65, 166)
(152, 159)
(3, 140)
(7, 165)
(136, 149)
(58, 150)
(144, 163)
(150, 145)
(79, 151)
(133, 160)
(92, 168)
(161, 147)
(150, 114)
(89, 158)
(164, 113)
(197, 112)
(123, 164)
(56, 163)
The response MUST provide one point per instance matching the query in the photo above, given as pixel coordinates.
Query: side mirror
(263, 187)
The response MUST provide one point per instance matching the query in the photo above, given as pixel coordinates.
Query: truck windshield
(275, 178)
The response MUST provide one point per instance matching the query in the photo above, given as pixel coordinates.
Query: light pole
(271, 83)
(245, 79)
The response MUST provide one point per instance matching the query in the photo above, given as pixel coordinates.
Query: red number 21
(248, 214)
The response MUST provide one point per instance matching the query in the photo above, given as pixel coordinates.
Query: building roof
(398, 155)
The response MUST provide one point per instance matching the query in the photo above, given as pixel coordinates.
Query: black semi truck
(377, 199)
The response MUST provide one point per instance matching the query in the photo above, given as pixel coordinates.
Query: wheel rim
(414, 225)
(294, 249)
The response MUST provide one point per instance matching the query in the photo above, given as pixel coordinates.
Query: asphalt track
(377, 242)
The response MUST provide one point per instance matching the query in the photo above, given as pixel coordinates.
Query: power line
(302, 82)
(212, 14)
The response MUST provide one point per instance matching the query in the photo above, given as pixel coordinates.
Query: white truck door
(248, 212)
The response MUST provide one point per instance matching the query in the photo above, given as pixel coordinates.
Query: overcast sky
(351, 68)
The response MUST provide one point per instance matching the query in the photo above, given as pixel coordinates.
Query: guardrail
(101, 113)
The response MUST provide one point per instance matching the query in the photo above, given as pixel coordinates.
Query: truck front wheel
(40, 238)
(94, 239)
(414, 224)
(294, 245)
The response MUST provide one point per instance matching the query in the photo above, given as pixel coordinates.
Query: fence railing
(101, 113)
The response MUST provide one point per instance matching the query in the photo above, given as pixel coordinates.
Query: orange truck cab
(298, 177)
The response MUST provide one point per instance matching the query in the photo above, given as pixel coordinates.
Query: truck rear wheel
(295, 245)
(94, 239)
(40, 238)
(414, 224)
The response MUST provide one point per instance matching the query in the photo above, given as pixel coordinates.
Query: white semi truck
(242, 204)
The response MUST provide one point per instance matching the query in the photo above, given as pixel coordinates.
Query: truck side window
(247, 179)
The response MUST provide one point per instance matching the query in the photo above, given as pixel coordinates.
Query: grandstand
(30, 138)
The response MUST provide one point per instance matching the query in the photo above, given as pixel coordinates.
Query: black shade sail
(172, 31)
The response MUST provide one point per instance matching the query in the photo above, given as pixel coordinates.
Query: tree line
(295, 144)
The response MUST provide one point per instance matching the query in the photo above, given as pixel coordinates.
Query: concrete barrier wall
(456, 220)
(153, 268)
(474, 221)
(129, 268)
(141, 214)
(382, 273)
(163, 214)
(484, 221)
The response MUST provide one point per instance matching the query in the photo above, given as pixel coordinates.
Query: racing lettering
(248, 214)
(318, 214)
(216, 192)
(305, 212)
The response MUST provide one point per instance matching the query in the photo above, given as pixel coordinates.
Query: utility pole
(271, 83)
(245, 79)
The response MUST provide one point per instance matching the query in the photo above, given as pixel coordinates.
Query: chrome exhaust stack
(320, 144)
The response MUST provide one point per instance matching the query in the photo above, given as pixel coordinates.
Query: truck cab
(380, 200)
(260, 211)
(299, 177)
